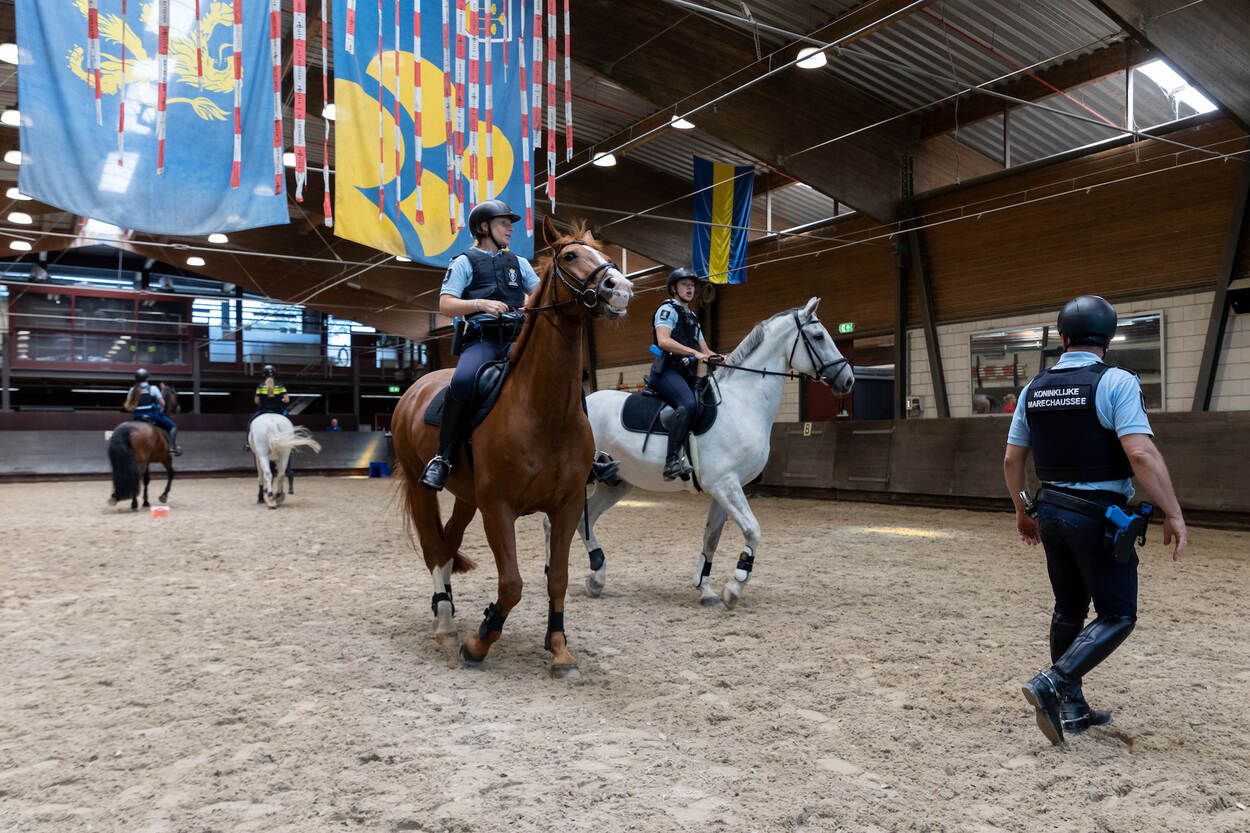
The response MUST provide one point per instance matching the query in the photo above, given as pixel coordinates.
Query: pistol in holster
(1123, 530)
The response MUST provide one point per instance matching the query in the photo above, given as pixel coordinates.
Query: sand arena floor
(232, 668)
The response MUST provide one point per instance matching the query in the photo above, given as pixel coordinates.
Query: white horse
(272, 437)
(731, 453)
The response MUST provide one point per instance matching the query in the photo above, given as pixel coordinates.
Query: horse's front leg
(147, 476)
(443, 604)
(169, 481)
(601, 500)
(732, 498)
(563, 522)
(500, 526)
(716, 516)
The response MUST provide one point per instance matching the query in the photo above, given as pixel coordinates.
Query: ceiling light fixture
(403, 259)
(604, 160)
(678, 123)
(19, 245)
(218, 237)
(8, 53)
(12, 118)
(812, 58)
(328, 112)
(13, 157)
(15, 194)
(20, 217)
(195, 260)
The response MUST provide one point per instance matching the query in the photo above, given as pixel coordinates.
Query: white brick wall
(1185, 319)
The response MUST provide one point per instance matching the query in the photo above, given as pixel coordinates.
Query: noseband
(581, 288)
(819, 373)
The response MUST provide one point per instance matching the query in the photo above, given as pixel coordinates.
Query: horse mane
(753, 340)
(545, 269)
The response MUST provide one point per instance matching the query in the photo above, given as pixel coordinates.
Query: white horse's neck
(755, 396)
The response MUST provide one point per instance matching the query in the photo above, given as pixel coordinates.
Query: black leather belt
(1072, 500)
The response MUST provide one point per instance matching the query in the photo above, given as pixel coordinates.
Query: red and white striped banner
(568, 87)
(475, 40)
(459, 82)
(299, 67)
(551, 102)
(449, 116)
(237, 59)
(162, 80)
(504, 32)
(395, 133)
(199, 49)
(526, 178)
(121, 110)
(488, 83)
(275, 59)
(536, 88)
(381, 120)
(93, 54)
(349, 42)
(326, 208)
(417, 140)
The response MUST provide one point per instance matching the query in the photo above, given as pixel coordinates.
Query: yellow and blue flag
(722, 212)
(105, 167)
(380, 121)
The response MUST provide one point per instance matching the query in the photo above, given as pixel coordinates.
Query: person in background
(334, 425)
(271, 398)
(144, 400)
(1009, 403)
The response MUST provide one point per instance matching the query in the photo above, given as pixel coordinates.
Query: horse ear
(550, 233)
(588, 237)
(810, 309)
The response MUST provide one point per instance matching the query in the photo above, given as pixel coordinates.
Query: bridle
(800, 333)
(580, 288)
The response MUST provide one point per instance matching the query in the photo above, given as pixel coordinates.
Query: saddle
(487, 383)
(646, 413)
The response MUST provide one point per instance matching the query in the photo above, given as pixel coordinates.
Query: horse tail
(125, 466)
(423, 523)
(282, 440)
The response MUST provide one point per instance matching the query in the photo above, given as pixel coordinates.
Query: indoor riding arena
(336, 410)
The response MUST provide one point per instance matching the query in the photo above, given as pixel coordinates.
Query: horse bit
(588, 295)
(811, 355)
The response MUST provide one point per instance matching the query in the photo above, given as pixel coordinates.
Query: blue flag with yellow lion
(73, 163)
(365, 151)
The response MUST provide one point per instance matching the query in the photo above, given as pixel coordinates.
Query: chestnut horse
(532, 453)
(133, 446)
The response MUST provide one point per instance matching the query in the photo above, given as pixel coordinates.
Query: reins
(581, 289)
(790, 374)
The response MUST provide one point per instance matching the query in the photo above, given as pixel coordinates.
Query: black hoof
(467, 660)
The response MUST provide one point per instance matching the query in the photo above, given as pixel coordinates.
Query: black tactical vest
(147, 402)
(686, 331)
(1069, 443)
(495, 278)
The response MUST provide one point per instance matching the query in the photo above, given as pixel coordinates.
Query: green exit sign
(393, 389)
(846, 327)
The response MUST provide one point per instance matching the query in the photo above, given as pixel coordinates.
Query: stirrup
(435, 475)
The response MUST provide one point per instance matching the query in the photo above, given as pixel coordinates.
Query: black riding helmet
(678, 274)
(268, 370)
(1088, 319)
(487, 211)
(141, 375)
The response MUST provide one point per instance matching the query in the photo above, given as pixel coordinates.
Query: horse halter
(819, 373)
(581, 289)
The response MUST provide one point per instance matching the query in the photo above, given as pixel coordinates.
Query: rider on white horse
(679, 338)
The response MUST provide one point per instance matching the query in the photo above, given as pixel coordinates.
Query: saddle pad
(640, 409)
(486, 385)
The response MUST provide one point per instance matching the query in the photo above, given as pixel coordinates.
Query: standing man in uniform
(1085, 425)
(481, 284)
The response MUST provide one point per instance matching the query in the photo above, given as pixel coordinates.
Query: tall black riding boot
(674, 466)
(455, 421)
(1046, 691)
(1075, 713)
(173, 442)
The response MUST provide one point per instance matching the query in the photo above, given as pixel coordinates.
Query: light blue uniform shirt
(666, 316)
(1120, 406)
(460, 272)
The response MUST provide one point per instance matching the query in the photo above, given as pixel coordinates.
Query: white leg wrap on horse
(746, 562)
(702, 570)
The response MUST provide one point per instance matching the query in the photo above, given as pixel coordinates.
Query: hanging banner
(722, 212)
(72, 162)
(365, 86)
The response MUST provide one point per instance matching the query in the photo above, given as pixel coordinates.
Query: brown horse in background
(133, 447)
(532, 453)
